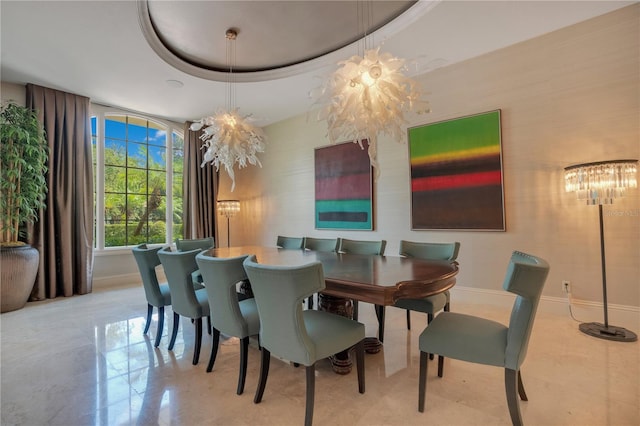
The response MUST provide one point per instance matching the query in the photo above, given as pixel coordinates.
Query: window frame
(100, 112)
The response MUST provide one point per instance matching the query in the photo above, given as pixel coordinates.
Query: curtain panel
(64, 232)
(199, 191)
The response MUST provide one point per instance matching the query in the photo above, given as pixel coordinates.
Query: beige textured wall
(568, 97)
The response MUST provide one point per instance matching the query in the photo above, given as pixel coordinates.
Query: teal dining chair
(430, 251)
(320, 244)
(157, 294)
(195, 243)
(229, 315)
(482, 341)
(375, 248)
(186, 301)
(289, 242)
(299, 336)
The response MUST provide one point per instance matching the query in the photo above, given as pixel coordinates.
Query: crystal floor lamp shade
(601, 183)
(228, 208)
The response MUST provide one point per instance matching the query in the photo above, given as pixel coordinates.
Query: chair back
(196, 243)
(526, 275)
(290, 242)
(220, 276)
(430, 251)
(178, 267)
(321, 244)
(147, 260)
(362, 247)
(279, 292)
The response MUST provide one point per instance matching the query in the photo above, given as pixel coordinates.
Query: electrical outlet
(566, 286)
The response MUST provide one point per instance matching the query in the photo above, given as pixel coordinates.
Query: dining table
(380, 280)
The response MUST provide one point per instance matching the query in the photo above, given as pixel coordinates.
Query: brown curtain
(64, 232)
(199, 190)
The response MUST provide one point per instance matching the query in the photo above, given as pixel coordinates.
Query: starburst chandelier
(229, 137)
(367, 95)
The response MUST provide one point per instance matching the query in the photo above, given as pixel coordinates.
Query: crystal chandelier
(229, 137)
(367, 95)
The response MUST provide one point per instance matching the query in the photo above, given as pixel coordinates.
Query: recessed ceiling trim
(155, 42)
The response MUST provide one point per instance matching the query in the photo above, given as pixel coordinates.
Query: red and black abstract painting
(456, 174)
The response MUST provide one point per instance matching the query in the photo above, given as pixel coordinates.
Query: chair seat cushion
(428, 305)
(331, 333)
(466, 338)
(203, 301)
(249, 312)
(165, 294)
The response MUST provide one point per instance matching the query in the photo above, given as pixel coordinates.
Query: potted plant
(23, 186)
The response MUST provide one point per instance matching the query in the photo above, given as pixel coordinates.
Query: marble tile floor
(84, 361)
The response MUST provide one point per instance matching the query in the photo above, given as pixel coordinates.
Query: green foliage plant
(23, 186)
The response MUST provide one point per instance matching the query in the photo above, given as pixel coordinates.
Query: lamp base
(618, 334)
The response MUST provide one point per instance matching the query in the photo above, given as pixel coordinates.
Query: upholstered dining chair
(482, 341)
(431, 251)
(186, 300)
(300, 336)
(320, 244)
(228, 315)
(195, 243)
(375, 248)
(157, 294)
(289, 242)
(192, 244)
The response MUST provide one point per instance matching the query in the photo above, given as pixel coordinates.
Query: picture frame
(456, 174)
(343, 187)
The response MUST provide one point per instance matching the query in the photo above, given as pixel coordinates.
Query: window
(138, 180)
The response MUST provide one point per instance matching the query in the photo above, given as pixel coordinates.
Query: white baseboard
(583, 310)
(114, 281)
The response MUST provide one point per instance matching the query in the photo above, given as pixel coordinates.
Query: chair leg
(380, 311)
(440, 365)
(264, 372)
(355, 309)
(214, 349)
(511, 388)
(408, 319)
(360, 365)
(422, 382)
(174, 333)
(149, 315)
(160, 325)
(311, 388)
(521, 392)
(198, 342)
(429, 319)
(209, 327)
(244, 353)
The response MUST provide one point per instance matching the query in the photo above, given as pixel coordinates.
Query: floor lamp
(228, 208)
(600, 183)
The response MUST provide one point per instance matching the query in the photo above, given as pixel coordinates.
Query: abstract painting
(456, 174)
(344, 188)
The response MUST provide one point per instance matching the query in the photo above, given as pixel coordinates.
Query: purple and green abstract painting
(343, 187)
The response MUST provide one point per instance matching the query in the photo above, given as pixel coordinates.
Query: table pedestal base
(372, 345)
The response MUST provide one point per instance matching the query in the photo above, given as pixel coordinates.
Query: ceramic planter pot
(17, 275)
